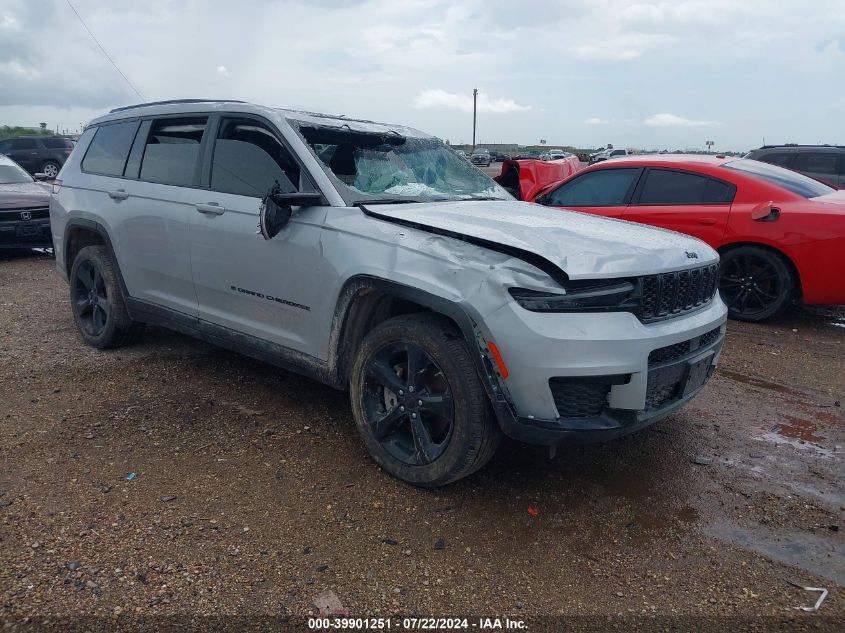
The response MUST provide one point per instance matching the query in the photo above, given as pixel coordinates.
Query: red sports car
(781, 234)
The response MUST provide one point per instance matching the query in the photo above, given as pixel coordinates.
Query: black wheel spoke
(440, 405)
(84, 275)
(385, 375)
(388, 423)
(425, 448)
(761, 301)
(82, 304)
(408, 403)
(417, 364)
(732, 301)
(99, 319)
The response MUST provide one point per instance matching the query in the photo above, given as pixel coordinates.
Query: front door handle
(118, 194)
(212, 208)
(707, 221)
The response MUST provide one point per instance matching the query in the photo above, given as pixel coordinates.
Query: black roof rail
(802, 145)
(173, 101)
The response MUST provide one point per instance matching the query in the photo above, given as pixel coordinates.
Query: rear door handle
(212, 208)
(118, 194)
(707, 221)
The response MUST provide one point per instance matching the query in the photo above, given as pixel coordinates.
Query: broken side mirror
(276, 210)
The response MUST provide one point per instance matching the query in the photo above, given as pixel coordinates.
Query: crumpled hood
(23, 194)
(582, 245)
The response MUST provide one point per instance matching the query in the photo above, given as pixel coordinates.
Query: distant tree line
(11, 131)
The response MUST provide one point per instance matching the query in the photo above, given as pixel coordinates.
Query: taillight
(57, 184)
(68, 150)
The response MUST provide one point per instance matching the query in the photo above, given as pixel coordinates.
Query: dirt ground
(252, 493)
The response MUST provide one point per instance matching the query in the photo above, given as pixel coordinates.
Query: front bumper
(594, 377)
(26, 234)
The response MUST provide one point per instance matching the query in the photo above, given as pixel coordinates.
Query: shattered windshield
(372, 165)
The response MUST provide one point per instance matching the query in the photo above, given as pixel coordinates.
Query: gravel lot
(252, 493)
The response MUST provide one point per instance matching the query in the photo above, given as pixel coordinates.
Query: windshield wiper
(360, 203)
(484, 198)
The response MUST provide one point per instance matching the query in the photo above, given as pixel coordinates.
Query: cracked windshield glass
(382, 166)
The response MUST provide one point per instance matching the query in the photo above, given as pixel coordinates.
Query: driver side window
(248, 159)
(600, 188)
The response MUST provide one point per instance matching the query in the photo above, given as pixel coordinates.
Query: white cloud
(597, 121)
(222, 71)
(665, 119)
(622, 46)
(436, 98)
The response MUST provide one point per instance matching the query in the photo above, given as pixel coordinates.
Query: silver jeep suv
(374, 259)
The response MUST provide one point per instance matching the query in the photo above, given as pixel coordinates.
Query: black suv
(44, 154)
(822, 162)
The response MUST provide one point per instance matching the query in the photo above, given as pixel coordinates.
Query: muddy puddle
(817, 553)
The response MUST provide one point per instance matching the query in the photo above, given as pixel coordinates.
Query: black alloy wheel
(96, 300)
(90, 298)
(418, 401)
(755, 283)
(408, 403)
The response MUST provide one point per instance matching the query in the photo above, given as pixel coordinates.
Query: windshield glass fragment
(377, 164)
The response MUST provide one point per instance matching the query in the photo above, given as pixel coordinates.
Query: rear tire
(97, 302)
(419, 404)
(51, 169)
(755, 283)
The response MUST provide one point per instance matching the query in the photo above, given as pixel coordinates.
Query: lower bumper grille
(668, 369)
(584, 396)
(665, 385)
(679, 350)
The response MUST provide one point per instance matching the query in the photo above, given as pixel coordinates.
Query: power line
(97, 42)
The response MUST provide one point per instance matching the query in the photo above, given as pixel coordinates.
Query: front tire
(97, 301)
(419, 404)
(50, 169)
(755, 283)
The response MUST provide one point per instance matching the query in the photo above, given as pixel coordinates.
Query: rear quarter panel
(810, 234)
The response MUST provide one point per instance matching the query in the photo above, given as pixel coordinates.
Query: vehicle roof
(797, 148)
(669, 160)
(12, 138)
(186, 106)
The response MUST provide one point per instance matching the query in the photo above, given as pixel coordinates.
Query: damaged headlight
(590, 294)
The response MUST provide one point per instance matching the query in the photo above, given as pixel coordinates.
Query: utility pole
(474, 110)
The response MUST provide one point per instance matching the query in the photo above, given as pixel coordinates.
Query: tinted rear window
(663, 186)
(57, 143)
(781, 158)
(792, 181)
(816, 162)
(108, 151)
(172, 151)
(24, 143)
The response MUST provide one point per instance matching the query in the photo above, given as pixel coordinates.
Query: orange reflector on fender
(503, 369)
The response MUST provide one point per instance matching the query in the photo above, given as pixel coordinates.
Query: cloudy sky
(580, 72)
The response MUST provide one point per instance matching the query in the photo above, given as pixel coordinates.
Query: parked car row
(38, 154)
(389, 266)
(603, 155)
(24, 208)
(780, 233)
(822, 162)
